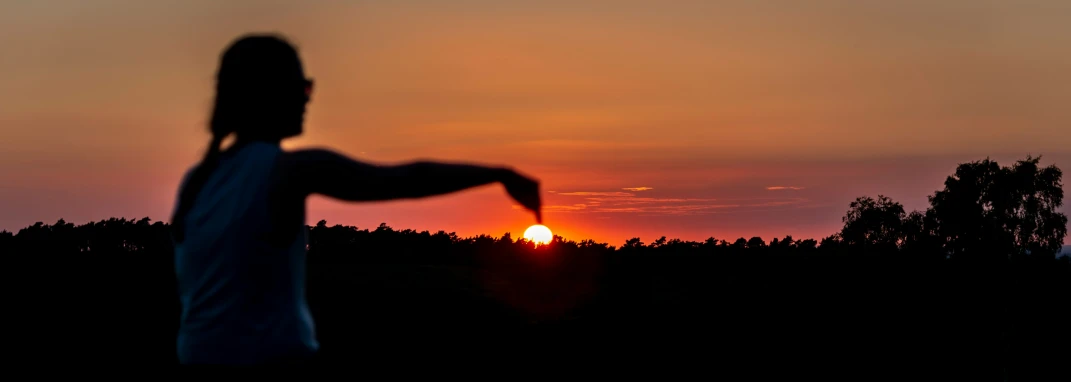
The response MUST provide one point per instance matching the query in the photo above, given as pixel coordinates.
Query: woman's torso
(241, 267)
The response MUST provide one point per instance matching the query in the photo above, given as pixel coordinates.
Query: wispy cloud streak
(615, 202)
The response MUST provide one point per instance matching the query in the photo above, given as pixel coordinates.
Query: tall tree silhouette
(986, 209)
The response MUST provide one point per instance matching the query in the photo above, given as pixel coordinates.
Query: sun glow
(538, 234)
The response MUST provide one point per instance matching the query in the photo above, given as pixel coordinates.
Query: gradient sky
(686, 119)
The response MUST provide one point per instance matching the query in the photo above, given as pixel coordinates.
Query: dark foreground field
(105, 294)
(722, 309)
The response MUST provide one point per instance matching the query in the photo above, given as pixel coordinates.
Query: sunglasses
(308, 82)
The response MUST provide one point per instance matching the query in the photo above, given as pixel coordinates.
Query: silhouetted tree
(920, 236)
(6, 239)
(806, 246)
(831, 244)
(873, 225)
(989, 210)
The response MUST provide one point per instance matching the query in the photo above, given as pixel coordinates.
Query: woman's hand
(525, 191)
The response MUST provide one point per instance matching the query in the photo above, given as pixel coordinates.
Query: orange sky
(709, 104)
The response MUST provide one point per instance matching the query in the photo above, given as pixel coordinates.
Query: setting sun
(538, 234)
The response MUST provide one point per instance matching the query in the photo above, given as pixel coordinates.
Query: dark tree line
(984, 211)
(970, 286)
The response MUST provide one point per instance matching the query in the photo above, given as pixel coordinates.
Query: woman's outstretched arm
(334, 175)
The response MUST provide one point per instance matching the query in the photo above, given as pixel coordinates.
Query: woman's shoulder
(253, 148)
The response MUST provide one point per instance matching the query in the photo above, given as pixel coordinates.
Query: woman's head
(261, 92)
(261, 89)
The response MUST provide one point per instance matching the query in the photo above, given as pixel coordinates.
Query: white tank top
(243, 297)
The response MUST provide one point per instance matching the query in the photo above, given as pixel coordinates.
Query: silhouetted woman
(239, 221)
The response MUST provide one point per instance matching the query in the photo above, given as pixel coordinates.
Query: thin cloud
(575, 207)
(696, 207)
(633, 201)
(637, 189)
(617, 210)
(778, 203)
(587, 193)
(602, 202)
